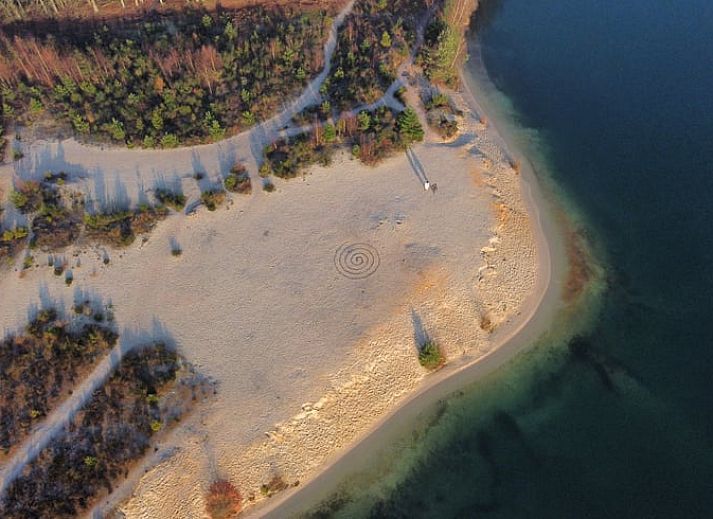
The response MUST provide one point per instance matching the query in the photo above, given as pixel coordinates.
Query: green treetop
(409, 127)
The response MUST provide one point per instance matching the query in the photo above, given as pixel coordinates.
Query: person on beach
(426, 185)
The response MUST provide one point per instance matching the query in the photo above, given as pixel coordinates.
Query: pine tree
(409, 127)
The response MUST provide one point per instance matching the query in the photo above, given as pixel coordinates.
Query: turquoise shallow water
(619, 421)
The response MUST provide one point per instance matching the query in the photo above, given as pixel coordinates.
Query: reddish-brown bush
(223, 500)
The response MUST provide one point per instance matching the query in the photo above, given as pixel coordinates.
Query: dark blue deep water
(620, 422)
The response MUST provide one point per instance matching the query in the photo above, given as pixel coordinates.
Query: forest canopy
(162, 80)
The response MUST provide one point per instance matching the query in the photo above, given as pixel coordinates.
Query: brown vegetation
(223, 500)
(110, 433)
(39, 366)
(213, 198)
(486, 323)
(74, 10)
(272, 487)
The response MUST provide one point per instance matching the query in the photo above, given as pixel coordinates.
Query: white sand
(307, 360)
(256, 302)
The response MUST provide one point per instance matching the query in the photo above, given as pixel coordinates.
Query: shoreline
(363, 386)
(531, 321)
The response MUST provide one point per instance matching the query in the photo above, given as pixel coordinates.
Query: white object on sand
(426, 185)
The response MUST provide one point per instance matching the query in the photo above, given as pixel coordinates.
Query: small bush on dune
(272, 487)
(28, 196)
(430, 356)
(173, 199)
(223, 500)
(17, 233)
(213, 198)
(238, 180)
(11, 241)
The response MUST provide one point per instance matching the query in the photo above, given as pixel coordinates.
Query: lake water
(617, 101)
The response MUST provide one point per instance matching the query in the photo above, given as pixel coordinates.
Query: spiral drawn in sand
(356, 260)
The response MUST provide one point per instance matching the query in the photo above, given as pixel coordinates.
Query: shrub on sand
(238, 180)
(430, 356)
(275, 485)
(223, 500)
(212, 198)
(173, 199)
(27, 197)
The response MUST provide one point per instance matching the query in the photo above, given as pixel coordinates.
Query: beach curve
(532, 321)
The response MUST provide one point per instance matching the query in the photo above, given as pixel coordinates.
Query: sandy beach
(534, 318)
(306, 359)
(305, 305)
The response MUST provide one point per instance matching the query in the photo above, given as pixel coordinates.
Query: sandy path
(141, 170)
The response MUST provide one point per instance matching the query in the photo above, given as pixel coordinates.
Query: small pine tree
(330, 132)
(409, 127)
(385, 40)
(363, 121)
